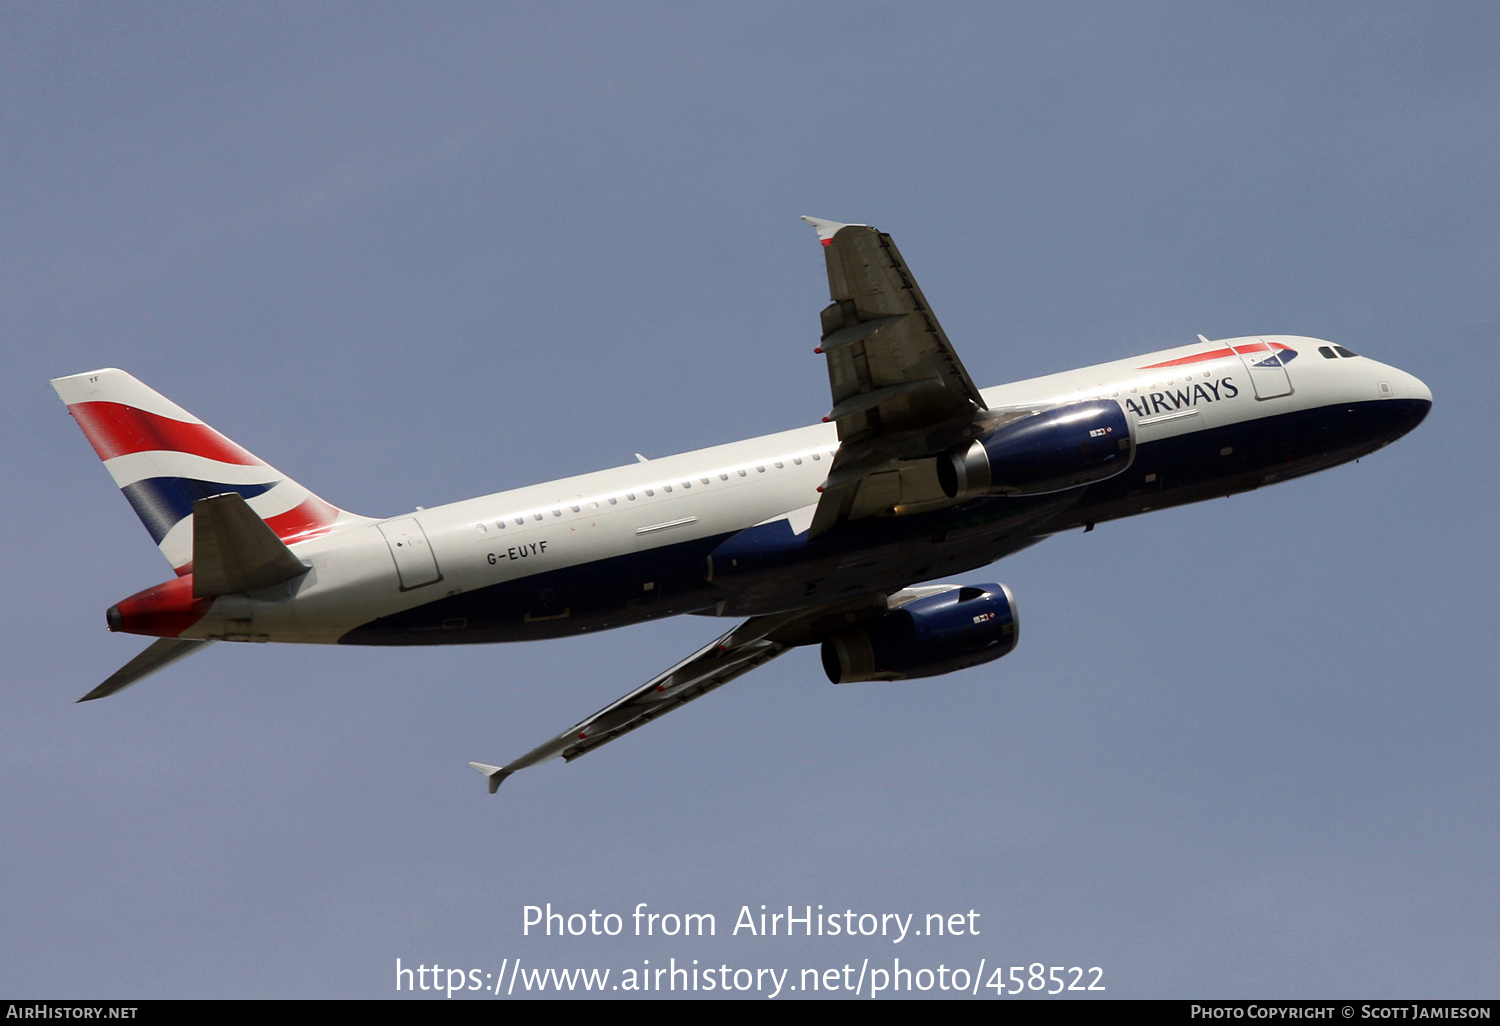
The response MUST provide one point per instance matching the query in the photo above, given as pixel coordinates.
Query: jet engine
(1046, 451)
(927, 636)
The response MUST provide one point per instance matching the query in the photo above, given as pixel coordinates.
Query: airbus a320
(819, 535)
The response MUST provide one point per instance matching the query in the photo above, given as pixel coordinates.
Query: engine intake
(927, 636)
(1048, 451)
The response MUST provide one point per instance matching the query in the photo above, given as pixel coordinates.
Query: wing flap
(858, 332)
(859, 402)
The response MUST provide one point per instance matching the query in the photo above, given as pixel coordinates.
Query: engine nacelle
(1048, 451)
(927, 636)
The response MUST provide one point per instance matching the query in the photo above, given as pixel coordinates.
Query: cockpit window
(1344, 352)
(1327, 352)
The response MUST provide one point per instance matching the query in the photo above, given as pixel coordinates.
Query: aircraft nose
(1407, 403)
(1417, 389)
(1414, 394)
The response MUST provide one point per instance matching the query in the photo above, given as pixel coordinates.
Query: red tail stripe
(307, 520)
(117, 430)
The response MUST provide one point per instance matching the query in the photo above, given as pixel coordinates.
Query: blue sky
(410, 254)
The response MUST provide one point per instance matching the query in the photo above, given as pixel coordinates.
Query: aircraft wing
(899, 390)
(754, 642)
(738, 652)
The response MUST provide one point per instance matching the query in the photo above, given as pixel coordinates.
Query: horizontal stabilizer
(496, 774)
(160, 653)
(234, 550)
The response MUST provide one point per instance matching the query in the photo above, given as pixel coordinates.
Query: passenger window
(500, 524)
(536, 516)
(557, 512)
(575, 509)
(797, 460)
(704, 480)
(723, 477)
(630, 496)
(780, 465)
(521, 521)
(816, 456)
(613, 501)
(649, 492)
(665, 488)
(742, 473)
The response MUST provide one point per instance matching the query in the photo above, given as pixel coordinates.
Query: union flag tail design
(164, 459)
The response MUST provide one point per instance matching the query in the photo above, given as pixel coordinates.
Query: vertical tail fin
(164, 459)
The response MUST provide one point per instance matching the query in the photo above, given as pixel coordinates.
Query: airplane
(817, 535)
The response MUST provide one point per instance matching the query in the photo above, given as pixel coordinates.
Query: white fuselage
(360, 574)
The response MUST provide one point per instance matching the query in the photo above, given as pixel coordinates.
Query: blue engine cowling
(927, 636)
(1049, 451)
